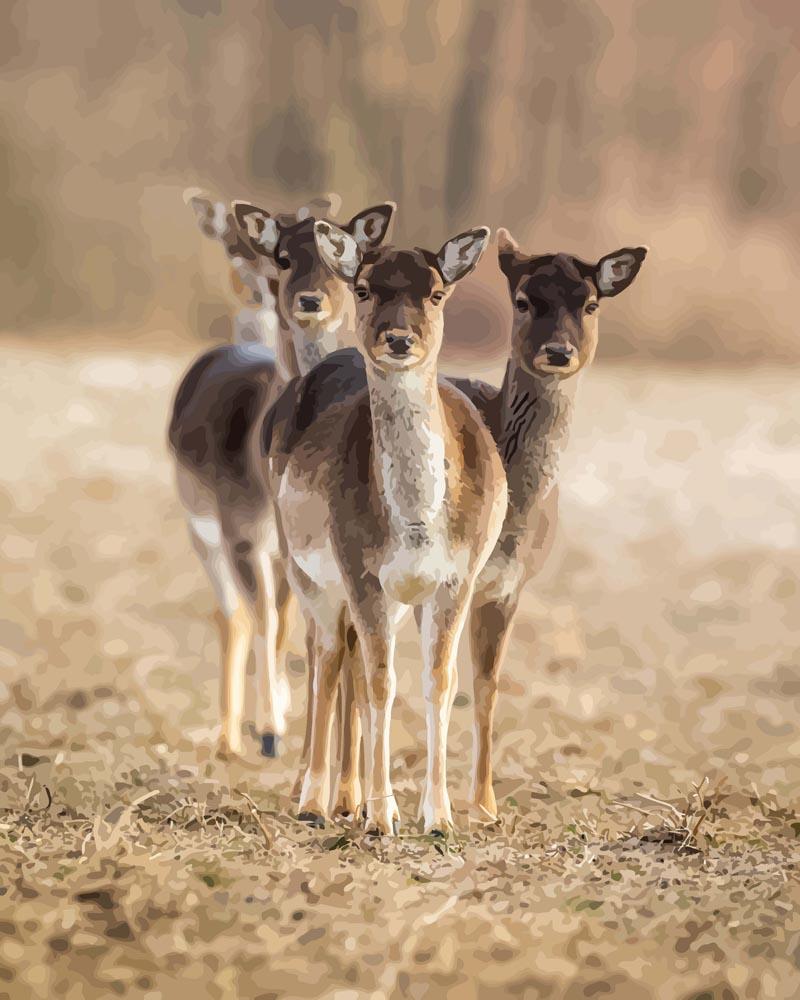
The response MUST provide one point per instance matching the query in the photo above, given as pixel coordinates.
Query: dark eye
(283, 261)
(592, 307)
(437, 297)
(522, 304)
(362, 293)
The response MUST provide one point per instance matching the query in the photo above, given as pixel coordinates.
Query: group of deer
(359, 481)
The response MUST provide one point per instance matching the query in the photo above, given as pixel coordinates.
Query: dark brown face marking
(306, 285)
(554, 297)
(398, 294)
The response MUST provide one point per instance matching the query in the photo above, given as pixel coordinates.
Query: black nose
(559, 354)
(397, 344)
(310, 303)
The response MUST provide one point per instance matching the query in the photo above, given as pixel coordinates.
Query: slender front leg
(315, 794)
(442, 621)
(348, 797)
(490, 628)
(377, 641)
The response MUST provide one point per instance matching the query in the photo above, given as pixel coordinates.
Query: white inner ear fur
(614, 270)
(262, 230)
(338, 249)
(212, 216)
(460, 255)
(364, 230)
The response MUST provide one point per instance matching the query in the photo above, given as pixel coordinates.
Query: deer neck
(409, 448)
(536, 414)
(256, 324)
(309, 347)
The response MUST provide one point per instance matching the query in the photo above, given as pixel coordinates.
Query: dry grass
(647, 732)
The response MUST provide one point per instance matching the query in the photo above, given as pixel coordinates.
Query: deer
(306, 311)
(390, 495)
(556, 300)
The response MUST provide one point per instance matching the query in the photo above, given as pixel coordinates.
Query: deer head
(310, 296)
(400, 294)
(556, 301)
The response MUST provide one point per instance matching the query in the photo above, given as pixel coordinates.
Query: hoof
(269, 745)
(375, 832)
(312, 819)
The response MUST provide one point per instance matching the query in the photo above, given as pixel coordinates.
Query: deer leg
(271, 701)
(236, 633)
(348, 798)
(298, 783)
(490, 628)
(377, 642)
(315, 794)
(442, 621)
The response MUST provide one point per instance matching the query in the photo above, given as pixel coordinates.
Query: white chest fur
(410, 468)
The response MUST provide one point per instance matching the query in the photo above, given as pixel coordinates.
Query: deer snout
(309, 302)
(559, 355)
(398, 343)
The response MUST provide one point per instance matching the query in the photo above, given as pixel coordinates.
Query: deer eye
(592, 307)
(362, 293)
(283, 261)
(522, 304)
(437, 297)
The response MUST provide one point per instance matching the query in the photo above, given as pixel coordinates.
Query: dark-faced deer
(556, 302)
(389, 496)
(219, 403)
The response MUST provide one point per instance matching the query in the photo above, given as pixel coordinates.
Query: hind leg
(251, 544)
(206, 534)
(349, 793)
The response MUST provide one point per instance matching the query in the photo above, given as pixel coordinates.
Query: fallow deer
(389, 496)
(219, 403)
(556, 300)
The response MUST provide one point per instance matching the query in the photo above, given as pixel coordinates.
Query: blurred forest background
(581, 126)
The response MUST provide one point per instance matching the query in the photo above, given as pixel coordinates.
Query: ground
(647, 751)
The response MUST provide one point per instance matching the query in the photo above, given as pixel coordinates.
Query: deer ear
(509, 254)
(369, 227)
(338, 249)
(212, 216)
(460, 254)
(259, 227)
(616, 271)
(327, 205)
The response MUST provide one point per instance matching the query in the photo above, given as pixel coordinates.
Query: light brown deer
(556, 301)
(388, 496)
(218, 406)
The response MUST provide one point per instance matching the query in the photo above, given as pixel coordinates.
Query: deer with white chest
(389, 497)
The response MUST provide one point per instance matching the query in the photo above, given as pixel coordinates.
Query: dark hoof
(312, 819)
(364, 814)
(396, 827)
(440, 834)
(269, 745)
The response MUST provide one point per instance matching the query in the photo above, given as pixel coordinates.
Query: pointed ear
(212, 216)
(616, 271)
(338, 249)
(460, 254)
(326, 206)
(369, 227)
(260, 228)
(509, 255)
